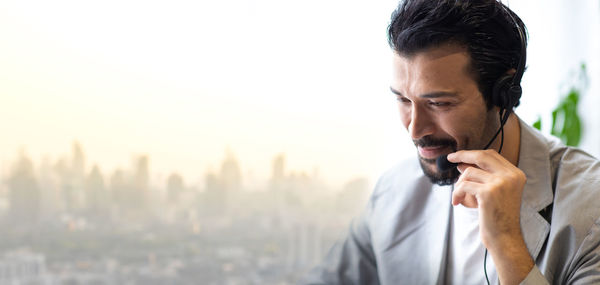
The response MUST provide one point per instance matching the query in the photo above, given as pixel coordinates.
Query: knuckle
(522, 175)
(482, 163)
(496, 183)
(468, 171)
(518, 176)
(485, 194)
(458, 194)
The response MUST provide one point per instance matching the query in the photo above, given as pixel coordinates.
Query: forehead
(443, 67)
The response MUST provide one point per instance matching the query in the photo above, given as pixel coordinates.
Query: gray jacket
(402, 236)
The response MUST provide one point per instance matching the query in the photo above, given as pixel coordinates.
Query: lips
(432, 152)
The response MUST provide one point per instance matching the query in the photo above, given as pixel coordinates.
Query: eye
(439, 104)
(403, 99)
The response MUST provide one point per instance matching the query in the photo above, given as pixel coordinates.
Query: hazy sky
(183, 80)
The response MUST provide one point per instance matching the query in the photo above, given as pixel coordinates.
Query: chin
(435, 176)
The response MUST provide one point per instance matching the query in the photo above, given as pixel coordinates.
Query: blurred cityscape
(63, 222)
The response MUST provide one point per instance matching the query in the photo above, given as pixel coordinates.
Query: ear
(505, 94)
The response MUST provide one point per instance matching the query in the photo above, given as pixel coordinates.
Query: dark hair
(484, 27)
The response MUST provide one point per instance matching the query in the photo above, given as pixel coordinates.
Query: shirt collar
(534, 160)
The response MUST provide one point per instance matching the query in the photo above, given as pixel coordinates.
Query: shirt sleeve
(350, 261)
(586, 266)
(534, 277)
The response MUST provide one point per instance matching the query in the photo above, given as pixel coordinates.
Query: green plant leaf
(538, 124)
(554, 128)
(566, 123)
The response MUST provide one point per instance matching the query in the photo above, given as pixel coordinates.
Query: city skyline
(159, 175)
(64, 221)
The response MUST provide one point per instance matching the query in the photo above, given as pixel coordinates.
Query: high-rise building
(51, 199)
(77, 162)
(95, 193)
(141, 183)
(230, 176)
(222, 188)
(24, 192)
(118, 193)
(174, 188)
(141, 173)
(278, 173)
(213, 200)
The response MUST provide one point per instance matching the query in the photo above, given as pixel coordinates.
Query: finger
(462, 166)
(465, 192)
(458, 197)
(474, 174)
(466, 200)
(485, 159)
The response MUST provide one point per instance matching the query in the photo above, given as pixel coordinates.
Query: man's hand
(494, 185)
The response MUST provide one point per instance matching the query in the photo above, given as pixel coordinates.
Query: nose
(421, 123)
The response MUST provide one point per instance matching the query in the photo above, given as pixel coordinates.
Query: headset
(507, 89)
(506, 93)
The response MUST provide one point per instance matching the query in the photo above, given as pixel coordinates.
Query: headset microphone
(443, 164)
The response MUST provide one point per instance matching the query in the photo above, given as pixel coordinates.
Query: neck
(512, 140)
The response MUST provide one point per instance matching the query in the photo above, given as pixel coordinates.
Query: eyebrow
(437, 94)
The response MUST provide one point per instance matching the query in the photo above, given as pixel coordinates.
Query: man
(518, 208)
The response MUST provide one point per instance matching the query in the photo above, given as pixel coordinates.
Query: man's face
(441, 106)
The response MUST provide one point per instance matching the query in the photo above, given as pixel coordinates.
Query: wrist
(511, 257)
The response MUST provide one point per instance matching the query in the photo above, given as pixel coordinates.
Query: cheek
(455, 128)
(460, 129)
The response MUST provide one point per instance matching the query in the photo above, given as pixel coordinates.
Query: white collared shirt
(465, 250)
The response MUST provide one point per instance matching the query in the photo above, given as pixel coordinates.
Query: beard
(437, 176)
(429, 166)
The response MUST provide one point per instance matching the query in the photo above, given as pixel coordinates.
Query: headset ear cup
(501, 90)
(514, 93)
